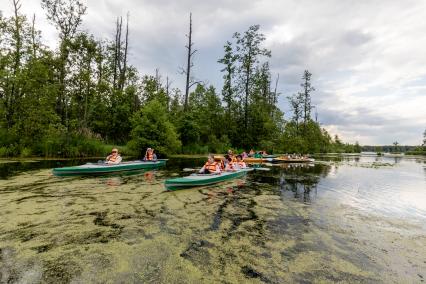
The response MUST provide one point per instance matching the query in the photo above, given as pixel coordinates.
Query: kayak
(202, 179)
(98, 169)
(291, 160)
(254, 160)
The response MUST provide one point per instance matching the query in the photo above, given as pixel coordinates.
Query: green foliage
(151, 128)
(71, 101)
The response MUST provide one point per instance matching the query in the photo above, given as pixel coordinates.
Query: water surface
(357, 219)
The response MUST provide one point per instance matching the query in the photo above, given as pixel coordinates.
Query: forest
(84, 96)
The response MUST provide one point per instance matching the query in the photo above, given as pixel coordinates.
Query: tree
(189, 63)
(229, 59)
(120, 55)
(249, 52)
(66, 15)
(395, 146)
(424, 138)
(306, 95)
(296, 106)
(151, 128)
(357, 147)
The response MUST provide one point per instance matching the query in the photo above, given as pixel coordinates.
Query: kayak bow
(203, 179)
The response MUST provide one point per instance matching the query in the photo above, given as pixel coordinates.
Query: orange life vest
(113, 158)
(241, 164)
(210, 166)
(234, 159)
(231, 165)
(149, 156)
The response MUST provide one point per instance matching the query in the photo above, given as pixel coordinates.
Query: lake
(356, 219)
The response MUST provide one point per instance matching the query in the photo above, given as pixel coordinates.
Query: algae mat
(289, 225)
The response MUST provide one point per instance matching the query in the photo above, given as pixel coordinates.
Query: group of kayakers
(229, 163)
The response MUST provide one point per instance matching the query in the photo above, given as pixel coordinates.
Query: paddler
(232, 156)
(114, 158)
(230, 166)
(240, 163)
(150, 155)
(210, 167)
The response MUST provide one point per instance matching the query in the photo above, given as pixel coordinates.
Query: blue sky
(368, 58)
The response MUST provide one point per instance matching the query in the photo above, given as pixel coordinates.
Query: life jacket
(211, 167)
(149, 156)
(231, 165)
(113, 158)
(241, 164)
(234, 159)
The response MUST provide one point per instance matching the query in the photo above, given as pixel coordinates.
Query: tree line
(85, 94)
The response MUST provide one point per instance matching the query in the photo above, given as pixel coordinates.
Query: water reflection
(301, 180)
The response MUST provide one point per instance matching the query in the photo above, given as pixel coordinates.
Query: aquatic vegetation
(298, 224)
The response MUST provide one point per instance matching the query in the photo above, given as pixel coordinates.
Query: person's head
(239, 158)
(229, 159)
(114, 151)
(230, 152)
(149, 150)
(211, 158)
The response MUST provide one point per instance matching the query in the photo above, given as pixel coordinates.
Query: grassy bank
(75, 148)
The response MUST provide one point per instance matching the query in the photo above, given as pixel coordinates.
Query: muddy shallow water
(351, 219)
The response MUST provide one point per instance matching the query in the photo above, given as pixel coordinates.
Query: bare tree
(189, 63)
(33, 37)
(275, 98)
(120, 54)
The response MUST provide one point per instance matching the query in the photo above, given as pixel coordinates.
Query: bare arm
(117, 161)
(202, 169)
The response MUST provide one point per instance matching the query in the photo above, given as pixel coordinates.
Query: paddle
(190, 170)
(261, 169)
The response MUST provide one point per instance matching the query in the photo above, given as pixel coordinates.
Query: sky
(368, 58)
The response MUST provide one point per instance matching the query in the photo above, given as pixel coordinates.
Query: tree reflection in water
(301, 180)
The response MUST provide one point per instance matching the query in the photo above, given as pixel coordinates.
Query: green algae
(128, 229)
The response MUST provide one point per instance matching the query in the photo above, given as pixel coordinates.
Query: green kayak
(99, 169)
(202, 179)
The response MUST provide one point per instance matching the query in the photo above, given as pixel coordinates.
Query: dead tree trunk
(189, 62)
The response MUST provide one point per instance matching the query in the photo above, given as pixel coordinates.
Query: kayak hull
(101, 169)
(202, 180)
(255, 160)
(287, 160)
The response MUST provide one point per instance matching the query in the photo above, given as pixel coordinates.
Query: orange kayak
(255, 160)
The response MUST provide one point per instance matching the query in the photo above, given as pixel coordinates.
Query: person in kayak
(240, 163)
(258, 155)
(230, 166)
(150, 155)
(231, 155)
(210, 167)
(114, 158)
(244, 155)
